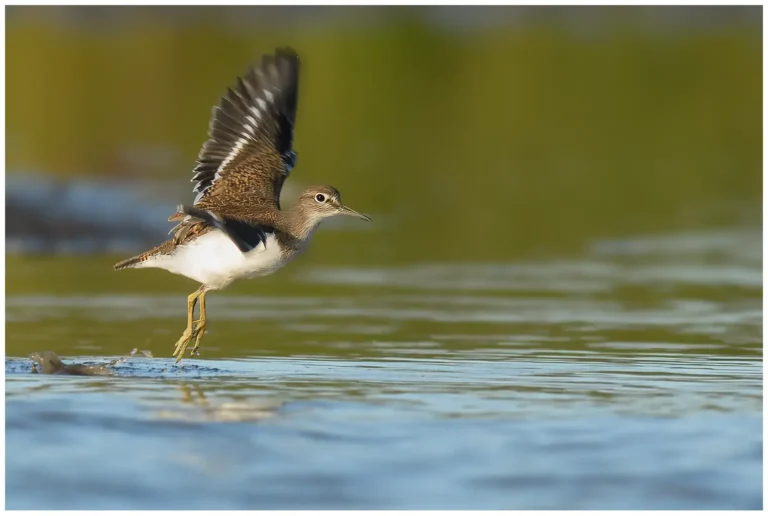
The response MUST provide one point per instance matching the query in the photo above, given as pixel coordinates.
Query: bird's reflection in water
(193, 393)
(196, 406)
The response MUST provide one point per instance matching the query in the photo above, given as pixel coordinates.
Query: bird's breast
(213, 259)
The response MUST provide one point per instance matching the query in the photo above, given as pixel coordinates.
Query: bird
(235, 228)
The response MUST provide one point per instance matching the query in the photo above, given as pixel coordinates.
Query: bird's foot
(199, 331)
(183, 342)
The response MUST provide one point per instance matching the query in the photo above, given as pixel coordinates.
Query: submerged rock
(50, 363)
(81, 215)
(84, 216)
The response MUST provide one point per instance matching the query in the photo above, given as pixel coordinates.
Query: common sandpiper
(235, 228)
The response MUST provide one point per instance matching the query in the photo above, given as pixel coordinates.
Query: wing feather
(249, 153)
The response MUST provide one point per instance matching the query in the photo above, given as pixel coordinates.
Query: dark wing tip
(287, 53)
(287, 62)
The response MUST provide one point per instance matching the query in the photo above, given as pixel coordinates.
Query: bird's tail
(147, 258)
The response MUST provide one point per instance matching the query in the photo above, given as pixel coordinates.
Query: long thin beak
(343, 210)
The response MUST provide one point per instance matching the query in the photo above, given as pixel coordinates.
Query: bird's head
(321, 202)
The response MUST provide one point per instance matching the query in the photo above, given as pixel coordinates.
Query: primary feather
(249, 153)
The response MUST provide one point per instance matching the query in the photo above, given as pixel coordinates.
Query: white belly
(214, 260)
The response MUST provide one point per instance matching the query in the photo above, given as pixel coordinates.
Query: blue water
(277, 433)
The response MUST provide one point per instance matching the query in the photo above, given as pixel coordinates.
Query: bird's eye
(320, 197)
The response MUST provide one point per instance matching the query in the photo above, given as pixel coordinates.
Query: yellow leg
(186, 337)
(200, 325)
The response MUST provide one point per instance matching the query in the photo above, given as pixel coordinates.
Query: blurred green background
(470, 134)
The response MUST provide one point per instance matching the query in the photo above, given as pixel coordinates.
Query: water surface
(627, 377)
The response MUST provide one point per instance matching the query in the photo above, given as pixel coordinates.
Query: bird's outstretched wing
(249, 154)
